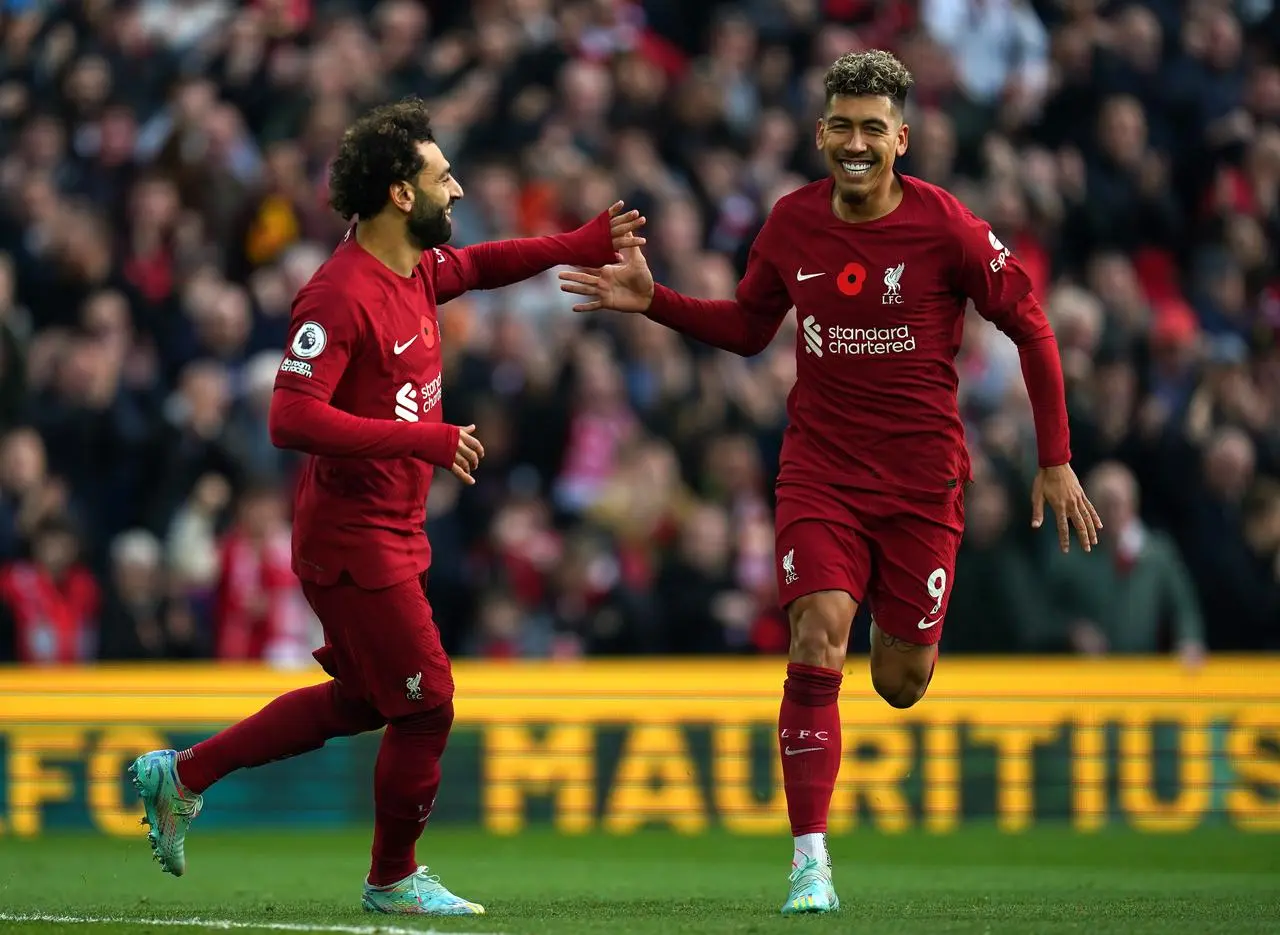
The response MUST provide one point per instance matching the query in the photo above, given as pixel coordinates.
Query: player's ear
(904, 132)
(402, 196)
(820, 132)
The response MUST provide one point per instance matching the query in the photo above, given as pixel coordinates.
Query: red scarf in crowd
(259, 598)
(56, 622)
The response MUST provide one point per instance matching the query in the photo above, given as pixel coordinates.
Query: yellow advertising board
(688, 744)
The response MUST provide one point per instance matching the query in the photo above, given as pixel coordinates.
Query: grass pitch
(1044, 882)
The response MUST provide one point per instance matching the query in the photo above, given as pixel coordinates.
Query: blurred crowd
(162, 183)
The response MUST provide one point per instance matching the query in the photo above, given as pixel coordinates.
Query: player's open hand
(1059, 487)
(467, 458)
(625, 286)
(623, 227)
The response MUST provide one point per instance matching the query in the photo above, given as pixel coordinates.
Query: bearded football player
(360, 392)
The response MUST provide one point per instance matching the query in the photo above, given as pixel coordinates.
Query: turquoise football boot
(170, 807)
(811, 890)
(419, 894)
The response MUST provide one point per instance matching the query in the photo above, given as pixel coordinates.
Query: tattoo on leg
(892, 642)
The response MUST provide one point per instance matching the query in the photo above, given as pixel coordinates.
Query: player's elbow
(1026, 323)
(283, 421)
(1034, 339)
(282, 438)
(753, 342)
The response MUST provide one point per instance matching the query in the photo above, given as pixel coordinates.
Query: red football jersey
(366, 340)
(881, 308)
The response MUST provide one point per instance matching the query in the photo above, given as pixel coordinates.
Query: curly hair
(378, 150)
(874, 73)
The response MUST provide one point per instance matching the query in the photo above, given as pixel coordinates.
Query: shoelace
(423, 875)
(809, 872)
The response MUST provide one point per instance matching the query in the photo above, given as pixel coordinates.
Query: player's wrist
(592, 243)
(438, 443)
(653, 300)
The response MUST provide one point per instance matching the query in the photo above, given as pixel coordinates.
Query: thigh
(820, 545)
(914, 551)
(383, 645)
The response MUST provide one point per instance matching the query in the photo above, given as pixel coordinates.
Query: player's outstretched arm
(1001, 292)
(744, 325)
(503, 262)
(300, 422)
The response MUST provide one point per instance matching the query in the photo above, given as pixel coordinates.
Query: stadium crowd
(162, 182)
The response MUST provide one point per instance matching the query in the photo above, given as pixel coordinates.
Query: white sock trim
(813, 846)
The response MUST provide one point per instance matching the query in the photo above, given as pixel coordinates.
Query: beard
(428, 226)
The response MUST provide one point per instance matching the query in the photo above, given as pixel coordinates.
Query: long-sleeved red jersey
(881, 308)
(360, 391)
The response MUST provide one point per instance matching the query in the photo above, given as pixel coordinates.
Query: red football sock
(405, 782)
(292, 724)
(809, 742)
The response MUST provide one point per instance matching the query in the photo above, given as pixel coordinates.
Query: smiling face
(430, 197)
(861, 137)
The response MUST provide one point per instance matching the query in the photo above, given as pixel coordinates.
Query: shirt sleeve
(326, 330)
(744, 325)
(503, 262)
(452, 271)
(301, 422)
(987, 270)
(990, 275)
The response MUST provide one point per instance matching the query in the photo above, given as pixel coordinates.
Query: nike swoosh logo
(801, 275)
(789, 752)
(925, 623)
(401, 348)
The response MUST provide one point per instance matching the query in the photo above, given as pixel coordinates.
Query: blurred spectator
(49, 604)
(1235, 576)
(142, 619)
(703, 609)
(588, 609)
(998, 599)
(162, 198)
(259, 612)
(27, 494)
(1131, 595)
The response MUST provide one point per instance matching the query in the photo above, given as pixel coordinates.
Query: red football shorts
(382, 646)
(898, 555)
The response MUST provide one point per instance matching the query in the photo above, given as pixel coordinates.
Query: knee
(900, 689)
(820, 629)
(435, 721)
(900, 670)
(903, 679)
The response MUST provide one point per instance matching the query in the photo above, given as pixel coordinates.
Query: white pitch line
(224, 925)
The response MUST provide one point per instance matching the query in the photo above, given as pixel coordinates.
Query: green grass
(1045, 882)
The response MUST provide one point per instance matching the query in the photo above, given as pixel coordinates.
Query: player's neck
(384, 240)
(876, 205)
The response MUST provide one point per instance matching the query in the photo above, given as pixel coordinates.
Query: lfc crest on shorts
(789, 567)
(413, 687)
